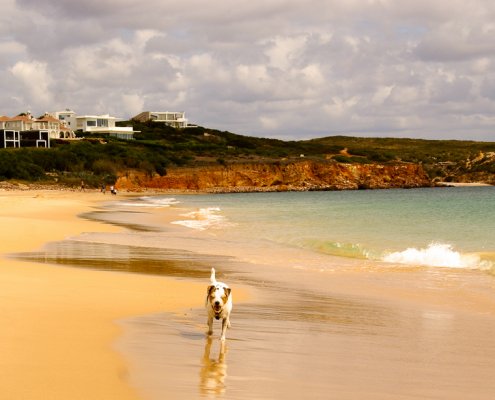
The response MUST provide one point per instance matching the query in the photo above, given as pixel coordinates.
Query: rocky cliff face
(479, 169)
(303, 175)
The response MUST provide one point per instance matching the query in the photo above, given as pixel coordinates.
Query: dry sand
(58, 324)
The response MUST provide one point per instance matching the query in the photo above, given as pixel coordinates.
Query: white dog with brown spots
(218, 304)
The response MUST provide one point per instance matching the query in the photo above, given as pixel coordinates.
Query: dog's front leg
(225, 323)
(210, 325)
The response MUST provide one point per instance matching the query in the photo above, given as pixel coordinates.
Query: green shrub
(342, 159)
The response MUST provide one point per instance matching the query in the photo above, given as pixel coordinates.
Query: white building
(46, 123)
(175, 119)
(67, 117)
(101, 124)
(56, 128)
(3, 121)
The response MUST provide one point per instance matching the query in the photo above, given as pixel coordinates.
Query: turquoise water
(452, 227)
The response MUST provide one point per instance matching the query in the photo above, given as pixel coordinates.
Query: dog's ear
(209, 289)
(228, 291)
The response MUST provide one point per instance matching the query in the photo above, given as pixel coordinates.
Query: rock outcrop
(297, 176)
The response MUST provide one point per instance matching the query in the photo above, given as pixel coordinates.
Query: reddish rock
(301, 175)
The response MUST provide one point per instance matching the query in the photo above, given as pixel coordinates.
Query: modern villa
(103, 124)
(174, 119)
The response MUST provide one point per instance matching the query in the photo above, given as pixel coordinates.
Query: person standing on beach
(82, 186)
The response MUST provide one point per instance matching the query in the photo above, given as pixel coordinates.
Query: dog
(218, 304)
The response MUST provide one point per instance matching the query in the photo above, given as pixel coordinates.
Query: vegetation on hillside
(156, 147)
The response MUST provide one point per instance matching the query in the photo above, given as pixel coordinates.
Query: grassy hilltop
(158, 147)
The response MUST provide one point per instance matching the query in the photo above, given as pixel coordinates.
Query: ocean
(447, 227)
(385, 294)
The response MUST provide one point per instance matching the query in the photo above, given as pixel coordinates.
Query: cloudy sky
(274, 68)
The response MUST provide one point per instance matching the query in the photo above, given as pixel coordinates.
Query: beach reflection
(214, 369)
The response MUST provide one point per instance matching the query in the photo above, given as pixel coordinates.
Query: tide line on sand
(58, 324)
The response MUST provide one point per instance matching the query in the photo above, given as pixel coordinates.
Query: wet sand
(357, 331)
(407, 340)
(59, 327)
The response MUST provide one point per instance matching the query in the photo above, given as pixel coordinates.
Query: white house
(8, 137)
(26, 122)
(175, 119)
(26, 131)
(3, 120)
(67, 117)
(102, 124)
(55, 127)
(22, 122)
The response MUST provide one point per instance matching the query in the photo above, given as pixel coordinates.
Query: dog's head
(218, 295)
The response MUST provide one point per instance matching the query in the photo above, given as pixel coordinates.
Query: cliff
(477, 169)
(301, 175)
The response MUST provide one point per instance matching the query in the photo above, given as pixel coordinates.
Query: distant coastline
(137, 186)
(201, 159)
(461, 184)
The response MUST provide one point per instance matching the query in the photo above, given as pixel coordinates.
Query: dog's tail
(213, 279)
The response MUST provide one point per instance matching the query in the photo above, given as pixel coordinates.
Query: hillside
(159, 151)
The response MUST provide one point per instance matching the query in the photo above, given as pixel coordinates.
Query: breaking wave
(436, 255)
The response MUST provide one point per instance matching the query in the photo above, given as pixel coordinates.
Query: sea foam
(435, 255)
(148, 201)
(203, 219)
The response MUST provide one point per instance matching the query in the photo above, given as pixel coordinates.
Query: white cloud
(381, 94)
(133, 103)
(254, 78)
(35, 79)
(11, 48)
(404, 95)
(284, 51)
(269, 123)
(272, 67)
(339, 107)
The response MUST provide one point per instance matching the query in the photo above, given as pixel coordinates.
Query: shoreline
(461, 184)
(59, 324)
(354, 331)
(6, 187)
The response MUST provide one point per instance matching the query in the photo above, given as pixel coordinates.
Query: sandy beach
(356, 331)
(59, 324)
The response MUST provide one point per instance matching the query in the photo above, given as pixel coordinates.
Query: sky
(271, 68)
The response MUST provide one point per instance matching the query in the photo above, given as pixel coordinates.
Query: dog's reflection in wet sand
(214, 369)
